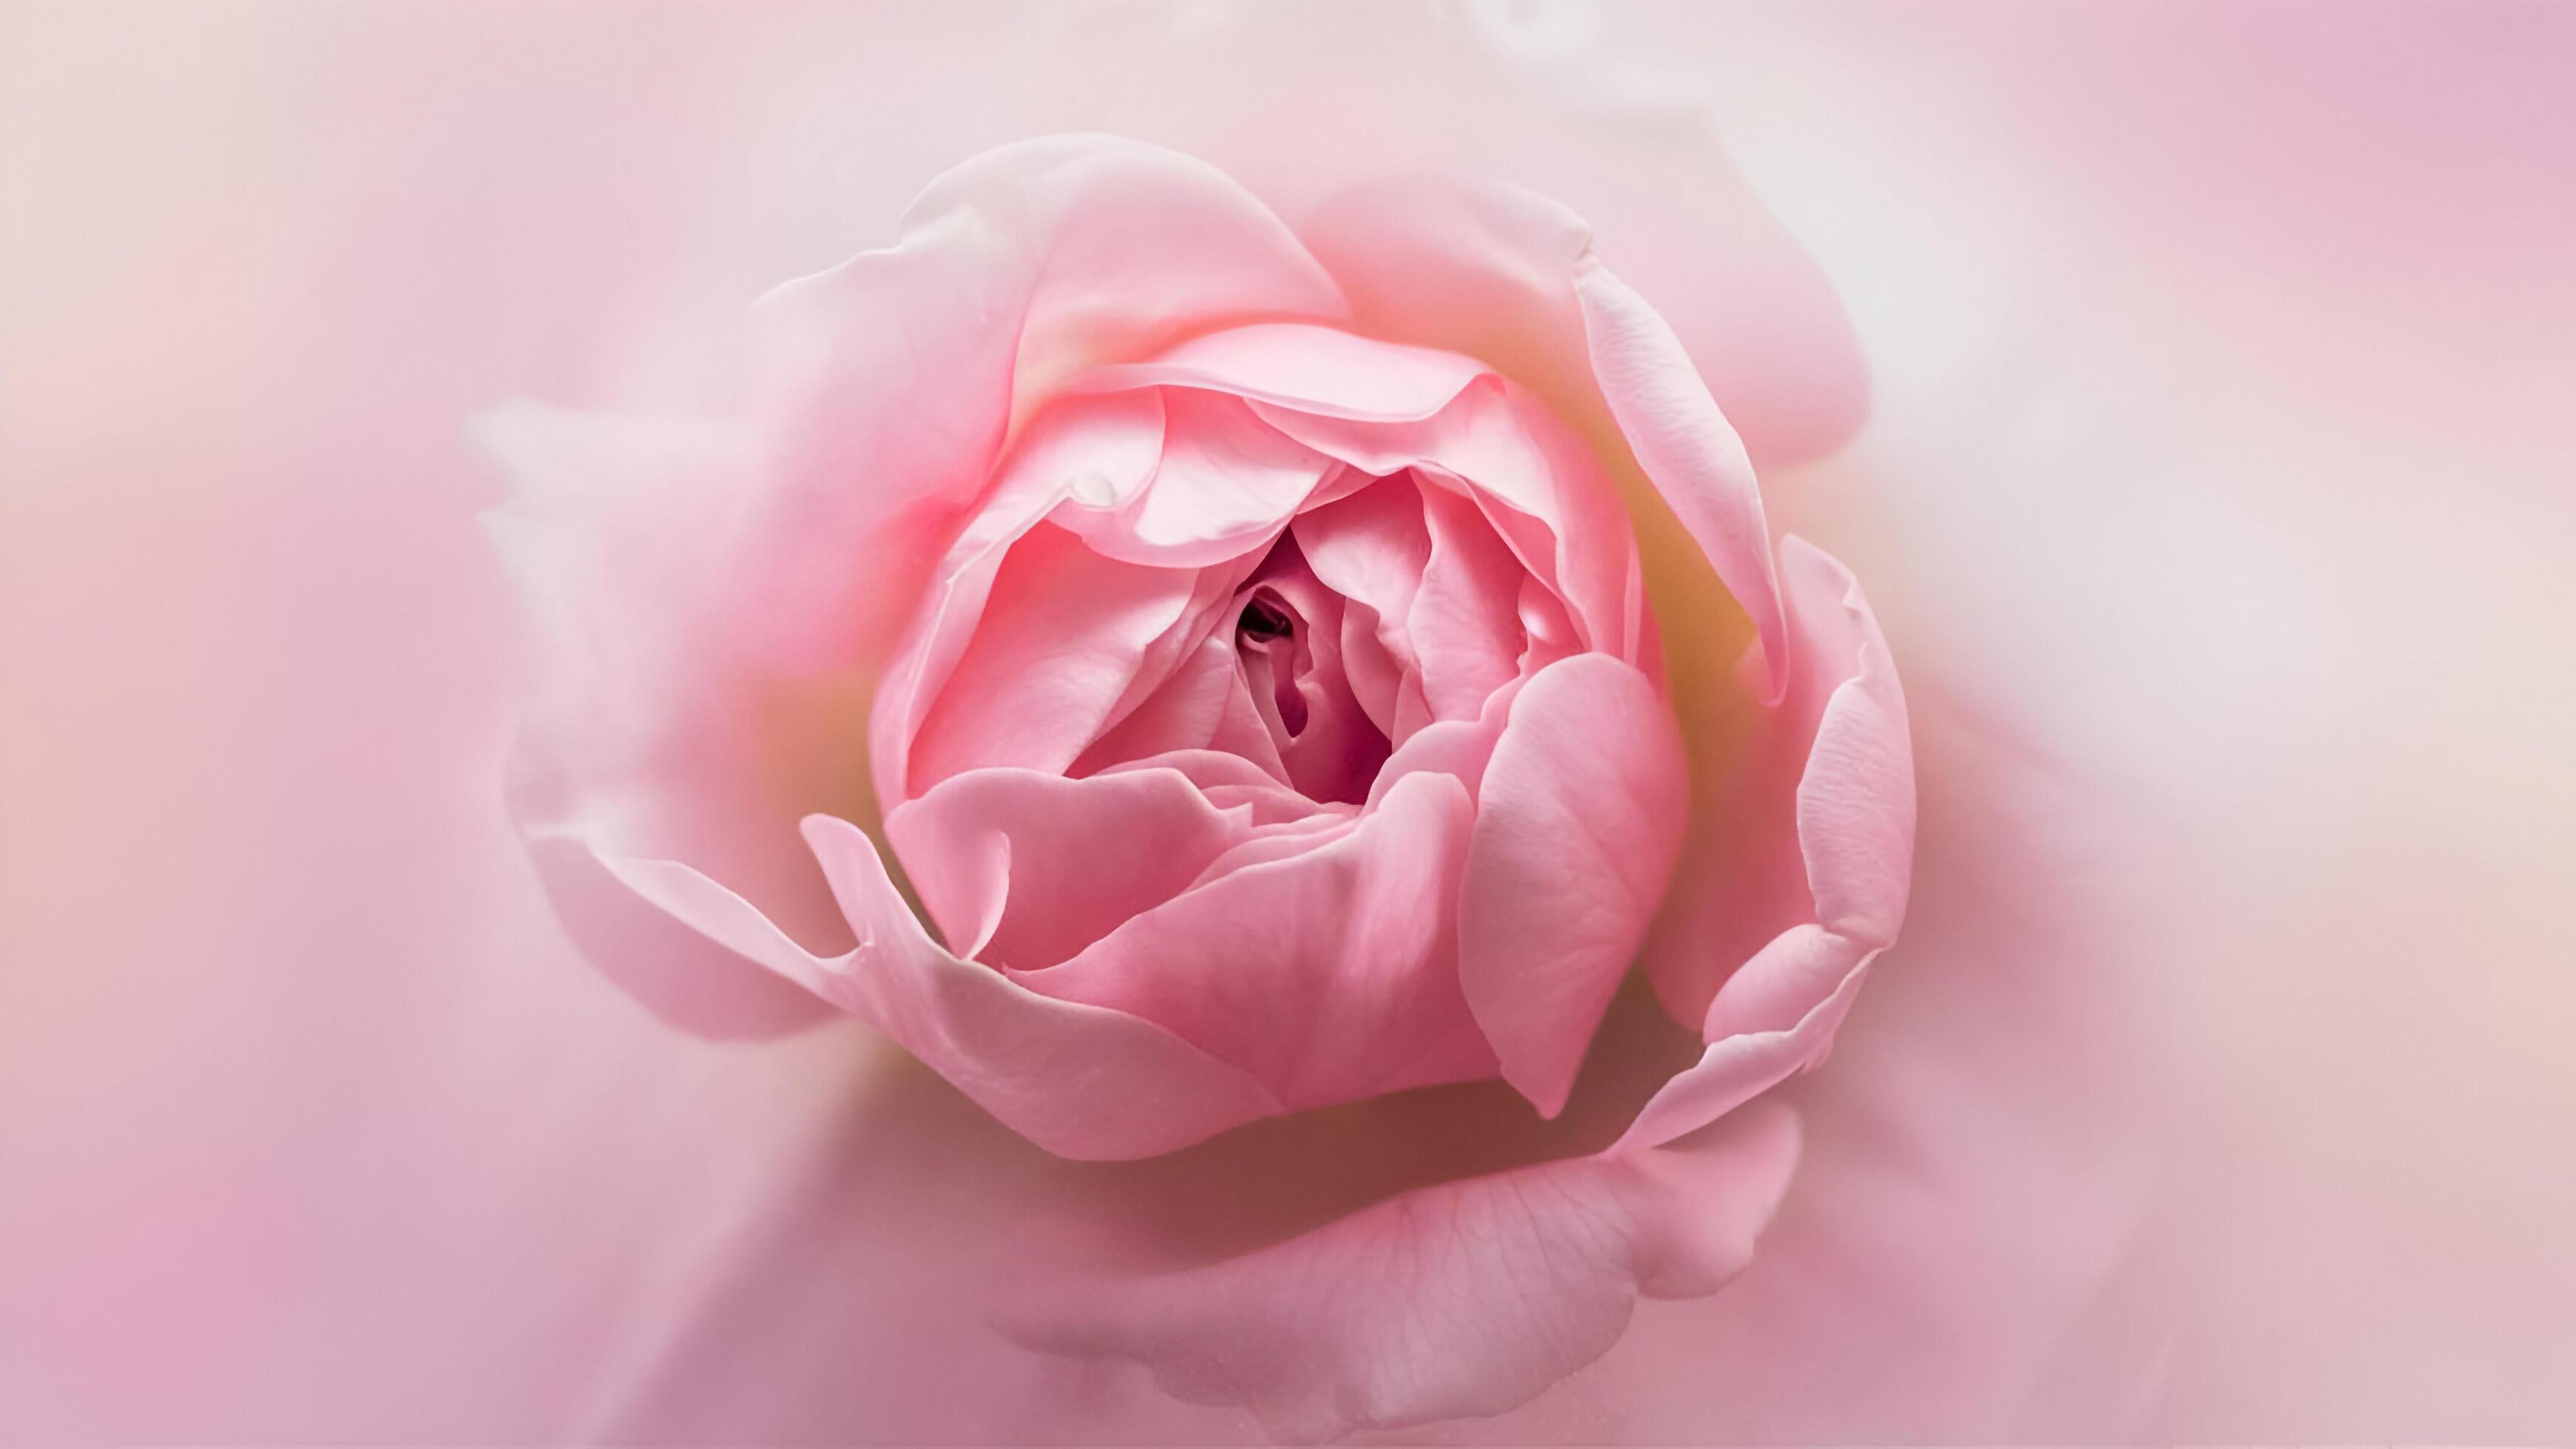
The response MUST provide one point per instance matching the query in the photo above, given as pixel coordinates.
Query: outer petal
(1577, 825)
(1851, 829)
(1459, 1299)
(1685, 444)
(1076, 1080)
(617, 750)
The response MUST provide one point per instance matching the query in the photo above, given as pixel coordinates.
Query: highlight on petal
(1578, 823)
(1454, 1300)
(1080, 1081)
(1309, 368)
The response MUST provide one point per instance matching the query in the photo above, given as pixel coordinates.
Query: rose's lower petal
(1024, 868)
(1328, 975)
(1077, 1080)
(1459, 1299)
(1578, 820)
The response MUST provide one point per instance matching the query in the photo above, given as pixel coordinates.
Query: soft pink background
(2218, 498)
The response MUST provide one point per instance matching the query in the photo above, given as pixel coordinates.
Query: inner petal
(1288, 641)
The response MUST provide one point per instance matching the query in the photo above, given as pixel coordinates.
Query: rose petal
(1065, 634)
(1464, 623)
(1842, 727)
(1105, 447)
(1225, 482)
(1686, 446)
(1540, 486)
(1310, 368)
(1077, 1080)
(1076, 857)
(1578, 822)
(1460, 1299)
(1329, 976)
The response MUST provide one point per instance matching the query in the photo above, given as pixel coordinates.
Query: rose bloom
(2186, 384)
(1222, 670)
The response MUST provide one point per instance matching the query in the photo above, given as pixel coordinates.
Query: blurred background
(2217, 491)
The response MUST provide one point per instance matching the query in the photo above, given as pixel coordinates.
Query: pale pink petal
(1330, 975)
(1794, 811)
(1459, 748)
(1464, 623)
(1370, 547)
(1539, 483)
(1310, 368)
(1843, 726)
(1064, 636)
(1077, 857)
(1226, 482)
(1077, 1080)
(1460, 1299)
(1098, 447)
(1686, 446)
(1578, 821)
(641, 727)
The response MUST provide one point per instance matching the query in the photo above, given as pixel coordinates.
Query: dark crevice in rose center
(1265, 635)
(1264, 618)
(1287, 641)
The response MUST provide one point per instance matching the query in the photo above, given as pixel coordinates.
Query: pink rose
(1167, 669)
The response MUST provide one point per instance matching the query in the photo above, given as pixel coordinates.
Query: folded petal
(1578, 822)
(1078, 1080)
